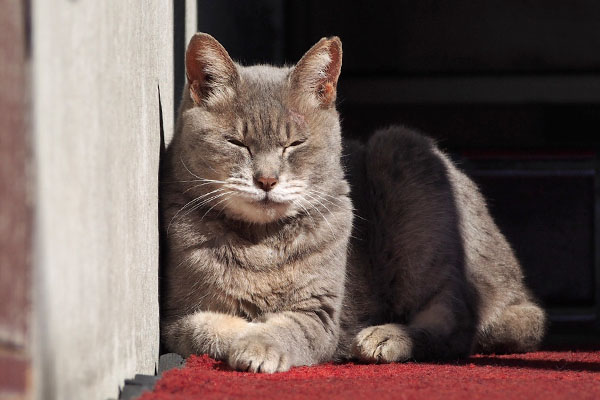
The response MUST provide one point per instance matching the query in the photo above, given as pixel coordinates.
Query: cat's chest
(240, 254)
(255, 278)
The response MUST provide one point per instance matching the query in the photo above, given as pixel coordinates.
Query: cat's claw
(382, 344)
(256, 354)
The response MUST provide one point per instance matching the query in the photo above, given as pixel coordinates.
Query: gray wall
(98, 68)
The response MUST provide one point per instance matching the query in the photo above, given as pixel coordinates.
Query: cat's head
(260, 143)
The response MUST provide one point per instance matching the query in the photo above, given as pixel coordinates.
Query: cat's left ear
(316, 75)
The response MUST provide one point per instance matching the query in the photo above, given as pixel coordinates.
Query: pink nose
(266, 183)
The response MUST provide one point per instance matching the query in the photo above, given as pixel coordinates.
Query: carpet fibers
(542, 375)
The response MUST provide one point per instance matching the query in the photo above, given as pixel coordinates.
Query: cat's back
(407, 189)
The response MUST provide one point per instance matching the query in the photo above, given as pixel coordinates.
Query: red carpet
(541, 375)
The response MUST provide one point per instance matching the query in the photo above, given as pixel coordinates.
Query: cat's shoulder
(405, 153)
(401, 138)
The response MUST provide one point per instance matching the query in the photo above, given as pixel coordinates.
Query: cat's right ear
(211, 73)
(316, 75)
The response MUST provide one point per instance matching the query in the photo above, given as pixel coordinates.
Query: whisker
(358, 216)
(306, 211)
(188, 170)
(214, 205)
(237, 180)
(317, 192)
(223, 209)
(325, 218)
(212, 180)
(240, 189)
(351, 236)
(317, 200)
(208, 165)
(196, 176)
(324, 199)
(195, 180)
(324, 206)
(189, 203)
(204, 202)
(196, 186)
(326, 194)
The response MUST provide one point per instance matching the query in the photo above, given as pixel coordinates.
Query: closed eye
(236, 142)
(239, 143)
(296, 143)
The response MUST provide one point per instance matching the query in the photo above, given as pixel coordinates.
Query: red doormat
(547, 375)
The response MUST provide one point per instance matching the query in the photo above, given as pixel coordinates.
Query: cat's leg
(203, 332)
(520, 328)
(418, 262)
(282, 340)
(383, 344)
(440, 331)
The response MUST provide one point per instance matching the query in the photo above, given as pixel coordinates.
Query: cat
(269, 264)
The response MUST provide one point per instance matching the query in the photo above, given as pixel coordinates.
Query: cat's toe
(255, 354)
(382, 344)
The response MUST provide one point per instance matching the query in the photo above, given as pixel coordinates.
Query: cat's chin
(258, 212)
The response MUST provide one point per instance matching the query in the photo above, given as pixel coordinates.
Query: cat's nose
(266, 183)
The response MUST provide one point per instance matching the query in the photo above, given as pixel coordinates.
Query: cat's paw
(204, 332)
(383, 344)
(256, 353)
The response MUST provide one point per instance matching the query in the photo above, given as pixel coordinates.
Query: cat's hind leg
(519, 328)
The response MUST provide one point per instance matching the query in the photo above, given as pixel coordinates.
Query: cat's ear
(211, 73)
(316, 75)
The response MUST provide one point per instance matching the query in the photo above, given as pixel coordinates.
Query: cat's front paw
(256, 353)
(382, 344)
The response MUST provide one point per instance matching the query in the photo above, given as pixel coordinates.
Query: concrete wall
(99, 69)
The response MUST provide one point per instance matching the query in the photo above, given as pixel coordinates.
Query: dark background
(510, 88)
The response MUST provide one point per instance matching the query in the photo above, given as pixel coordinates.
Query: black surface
(452, 37)
(251, 31)
(459, 127)
(142, 380)
(132, 391)
(168, 361)
(134, 388)
(548, 219)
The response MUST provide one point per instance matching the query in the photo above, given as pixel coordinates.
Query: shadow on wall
(161, 239)
(179, 44)
(184, 25)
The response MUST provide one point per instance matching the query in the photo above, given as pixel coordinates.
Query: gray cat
(266, 266)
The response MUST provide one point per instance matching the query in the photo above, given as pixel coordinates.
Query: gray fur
(267, 286)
